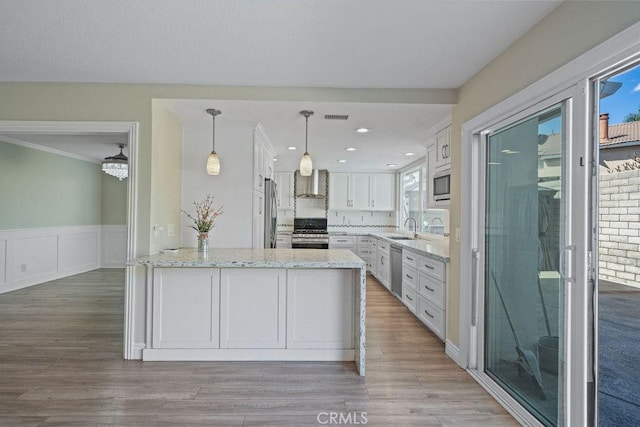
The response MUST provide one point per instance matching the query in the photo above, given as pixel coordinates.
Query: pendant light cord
(213, 135)
(306, 134)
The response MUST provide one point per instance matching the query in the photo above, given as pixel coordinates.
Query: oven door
(306, 243)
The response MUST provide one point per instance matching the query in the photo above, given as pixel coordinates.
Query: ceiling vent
(336, 116)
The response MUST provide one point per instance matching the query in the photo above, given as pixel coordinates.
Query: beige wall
(570, 30)
(119, 102)
(166, 177)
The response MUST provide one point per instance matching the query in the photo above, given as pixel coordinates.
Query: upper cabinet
(383, 192)
(263, 154)
(284, 182)
(362, 191)
(443, 148)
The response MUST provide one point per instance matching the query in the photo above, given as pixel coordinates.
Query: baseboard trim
(138, 349)
(169, 354)
(43, 278)
(452, 351)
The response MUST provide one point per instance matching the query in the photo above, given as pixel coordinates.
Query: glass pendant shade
(306, 165)
(213, 164)
(117, 165)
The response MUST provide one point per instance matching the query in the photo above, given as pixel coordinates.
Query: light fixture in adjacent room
(362, 130)
(342, 161)
(117, 165)
(291, 147)
(213, 162)
(306, 165)
(350, 149)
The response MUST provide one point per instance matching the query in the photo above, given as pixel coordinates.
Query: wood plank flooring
(61, 365)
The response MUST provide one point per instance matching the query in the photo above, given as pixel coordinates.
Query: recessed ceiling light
(350, 149)
(275, 160)
(342, 161)
(362, 130)
(391, 164)
(291, 148)
(409, 154)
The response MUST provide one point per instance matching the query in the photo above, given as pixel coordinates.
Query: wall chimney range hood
(311, 187)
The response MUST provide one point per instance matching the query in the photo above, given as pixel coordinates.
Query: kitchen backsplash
(342, 220)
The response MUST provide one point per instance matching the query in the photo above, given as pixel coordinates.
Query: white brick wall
(619, 222)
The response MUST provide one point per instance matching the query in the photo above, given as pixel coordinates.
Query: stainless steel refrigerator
(270, 213)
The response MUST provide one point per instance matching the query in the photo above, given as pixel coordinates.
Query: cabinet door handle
(428, 314)
(408, 297)
(373, 203)
(260, 206)
(382, 260)
(260, 182)
(428, 266)
(428, 288)
(442, 152)
(409, 258)
(409, 276)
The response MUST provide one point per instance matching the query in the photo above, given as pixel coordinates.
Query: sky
(626, 100)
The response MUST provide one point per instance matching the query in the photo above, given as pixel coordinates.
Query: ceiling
(426, 44)
(312, 43)
(395, 129)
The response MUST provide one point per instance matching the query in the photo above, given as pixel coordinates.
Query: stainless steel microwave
(442, 185)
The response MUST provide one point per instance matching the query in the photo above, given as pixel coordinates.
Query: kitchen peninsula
(255, 304)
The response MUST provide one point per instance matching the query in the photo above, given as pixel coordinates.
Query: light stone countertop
(255, 258)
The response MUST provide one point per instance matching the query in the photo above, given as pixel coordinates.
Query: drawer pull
(409, 258)
(409, 276)
(428, 288)
(428, 314)
(341, 240)
(428, 266)
(409, 298)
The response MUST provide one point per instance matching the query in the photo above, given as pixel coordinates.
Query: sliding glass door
(529, 341)
(525, 215)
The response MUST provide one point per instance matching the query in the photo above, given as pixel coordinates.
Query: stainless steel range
(310, 233)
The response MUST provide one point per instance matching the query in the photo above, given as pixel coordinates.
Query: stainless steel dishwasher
(396, 270)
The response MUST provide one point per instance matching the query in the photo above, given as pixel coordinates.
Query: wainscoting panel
(114, 246)
(32, 256)
(78, 251)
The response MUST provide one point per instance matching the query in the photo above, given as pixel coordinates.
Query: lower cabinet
(424, 289)
(252, 313)
(315, 320)
(186, 304)
(247, 295)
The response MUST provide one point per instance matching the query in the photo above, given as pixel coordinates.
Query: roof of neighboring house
(552, 147)
(621, 133)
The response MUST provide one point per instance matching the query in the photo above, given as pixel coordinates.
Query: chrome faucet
(415, 226)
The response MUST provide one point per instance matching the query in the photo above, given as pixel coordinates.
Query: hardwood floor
(61, 365)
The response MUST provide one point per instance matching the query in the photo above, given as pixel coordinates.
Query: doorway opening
(618, 289)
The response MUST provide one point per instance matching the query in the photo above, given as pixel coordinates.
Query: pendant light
(117, 165)
(213, 162)
(306, 165)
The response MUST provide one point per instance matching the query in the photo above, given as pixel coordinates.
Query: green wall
(40, 189)
(114, 200)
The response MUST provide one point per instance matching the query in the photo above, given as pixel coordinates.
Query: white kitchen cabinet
(283, 241)
(374, 255)
(248, 294)
(443, 148)
(340, 191)
(383, 192)
(362, 191)
(366, 251)
(186, 304)
(383, 261)
(424, 289)
(314, 320)
(343, 242)
(258, 219)
(284, 182)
